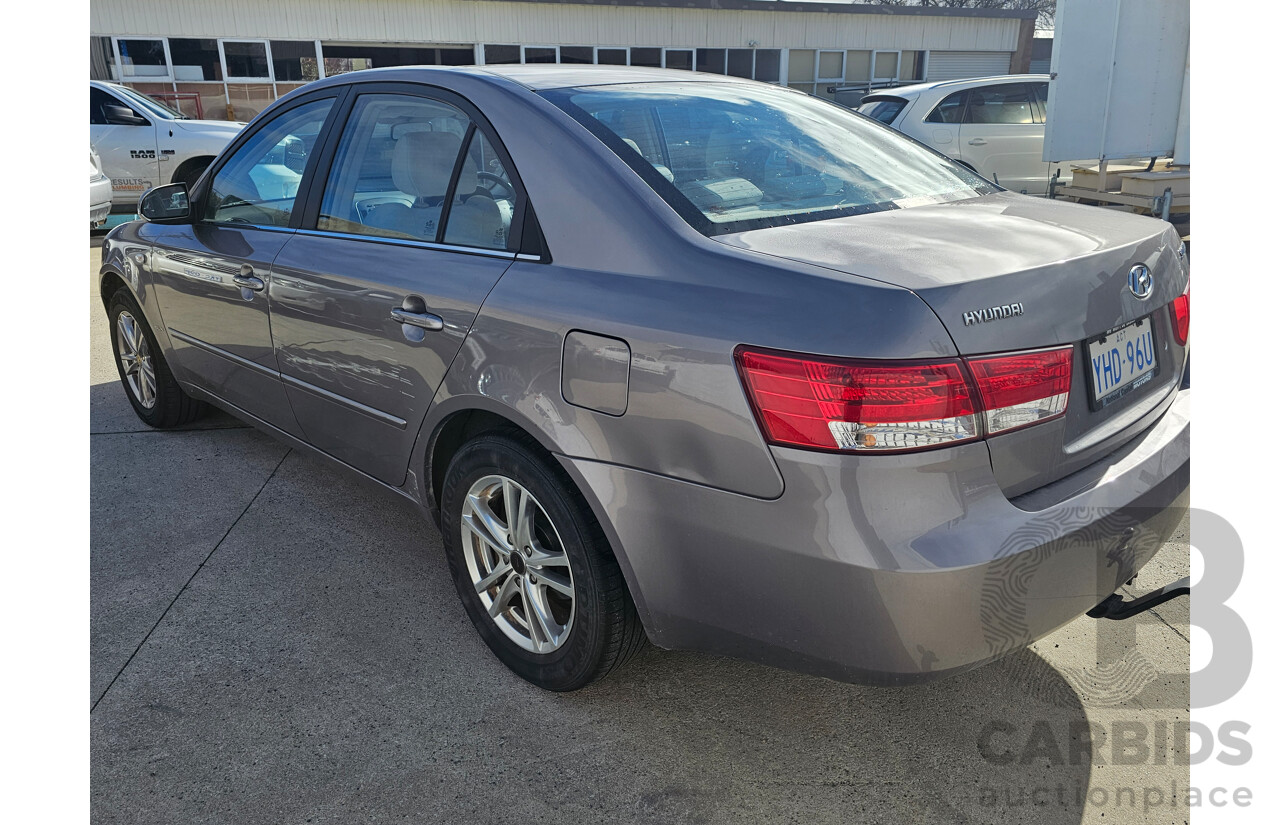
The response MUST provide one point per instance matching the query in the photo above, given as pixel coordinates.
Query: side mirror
(123, 116)
(166, 204)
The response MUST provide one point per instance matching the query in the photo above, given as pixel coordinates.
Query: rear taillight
(1180, 315)
(840, 404)
(1022, 388)
(880, 406)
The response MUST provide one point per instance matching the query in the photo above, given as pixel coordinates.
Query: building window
(769, 65)
(679, 59)
(102, 59)
(857, 68)
(711, 60)
(740, 63)
(651, 58)
(195, 59)
(611, 57)
(539, 54)
(294, 60)
(885, 67)
(142, 59)
(246, 59)
(912, 66)
(501, 54)
(576, 54)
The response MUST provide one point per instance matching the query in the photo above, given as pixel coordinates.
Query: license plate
(1121, 361)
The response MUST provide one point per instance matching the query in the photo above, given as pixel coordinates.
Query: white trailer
(1120, 88)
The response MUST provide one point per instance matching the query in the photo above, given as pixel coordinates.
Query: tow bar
(1115, 607)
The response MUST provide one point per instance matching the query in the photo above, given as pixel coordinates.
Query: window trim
(964, 109)
(897, 66)
(318, 176)
(302, 198)
(222, 55)
(167, 77)
(1032, 105)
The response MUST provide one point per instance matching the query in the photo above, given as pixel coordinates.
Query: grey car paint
(858, 567)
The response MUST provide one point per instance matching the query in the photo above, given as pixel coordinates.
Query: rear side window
(884, 109)
(416, 169)
(258, 184)
(950, 110)
(1008, 104)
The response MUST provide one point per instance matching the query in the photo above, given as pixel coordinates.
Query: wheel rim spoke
(540, 625)
(486, 523)
(556, 582)
(511, 547)
(503, 569)
(503, 599)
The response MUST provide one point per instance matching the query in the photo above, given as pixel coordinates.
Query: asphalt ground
(272, 642)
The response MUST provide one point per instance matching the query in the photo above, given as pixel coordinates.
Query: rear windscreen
(732, 157)
(883, 109)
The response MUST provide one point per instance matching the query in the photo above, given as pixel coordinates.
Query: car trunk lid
(1007, 272)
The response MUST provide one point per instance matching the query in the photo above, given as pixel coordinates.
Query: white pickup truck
(143, 143)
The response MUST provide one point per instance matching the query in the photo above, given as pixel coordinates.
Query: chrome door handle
(977, 142)
(249, 282)
(422, 320)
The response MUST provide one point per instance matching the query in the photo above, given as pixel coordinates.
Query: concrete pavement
(274, 643)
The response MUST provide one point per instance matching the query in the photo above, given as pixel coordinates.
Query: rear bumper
(888, 569)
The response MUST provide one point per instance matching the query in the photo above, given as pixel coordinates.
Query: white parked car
(144, 143)
(993, 125)
(99, 192)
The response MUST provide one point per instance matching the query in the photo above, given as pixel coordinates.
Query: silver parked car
(680, 356)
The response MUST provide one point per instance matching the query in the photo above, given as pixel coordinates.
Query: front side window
(1008, 104)
(258, 184)
(401, 172)
(729, 158)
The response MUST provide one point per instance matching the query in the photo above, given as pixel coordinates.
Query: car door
(1002, 137)
(211, 275)
(125, 140)
(372, 298)
(941, 126)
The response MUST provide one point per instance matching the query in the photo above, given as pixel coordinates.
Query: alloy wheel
(517, 564)
(135, 360)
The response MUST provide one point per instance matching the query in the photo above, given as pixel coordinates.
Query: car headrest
(422, 163)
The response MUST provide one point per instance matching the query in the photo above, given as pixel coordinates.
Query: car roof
(963, 83)
(538, 76)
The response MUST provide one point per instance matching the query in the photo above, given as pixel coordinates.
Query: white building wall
(472, 21)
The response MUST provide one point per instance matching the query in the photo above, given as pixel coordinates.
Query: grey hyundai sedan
(680, 357)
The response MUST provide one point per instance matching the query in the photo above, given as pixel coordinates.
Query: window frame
(317, 176)
(897, 66)
(122, 78)
(199, 197)
(1033, 106)
(937, 107)
(222, 55)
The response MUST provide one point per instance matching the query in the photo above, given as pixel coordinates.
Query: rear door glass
(1007, 103)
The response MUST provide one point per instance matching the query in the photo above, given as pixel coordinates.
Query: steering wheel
(495, 180)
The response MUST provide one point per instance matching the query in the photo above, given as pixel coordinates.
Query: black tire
(192, 174)
(605, 630)
(171, 406)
